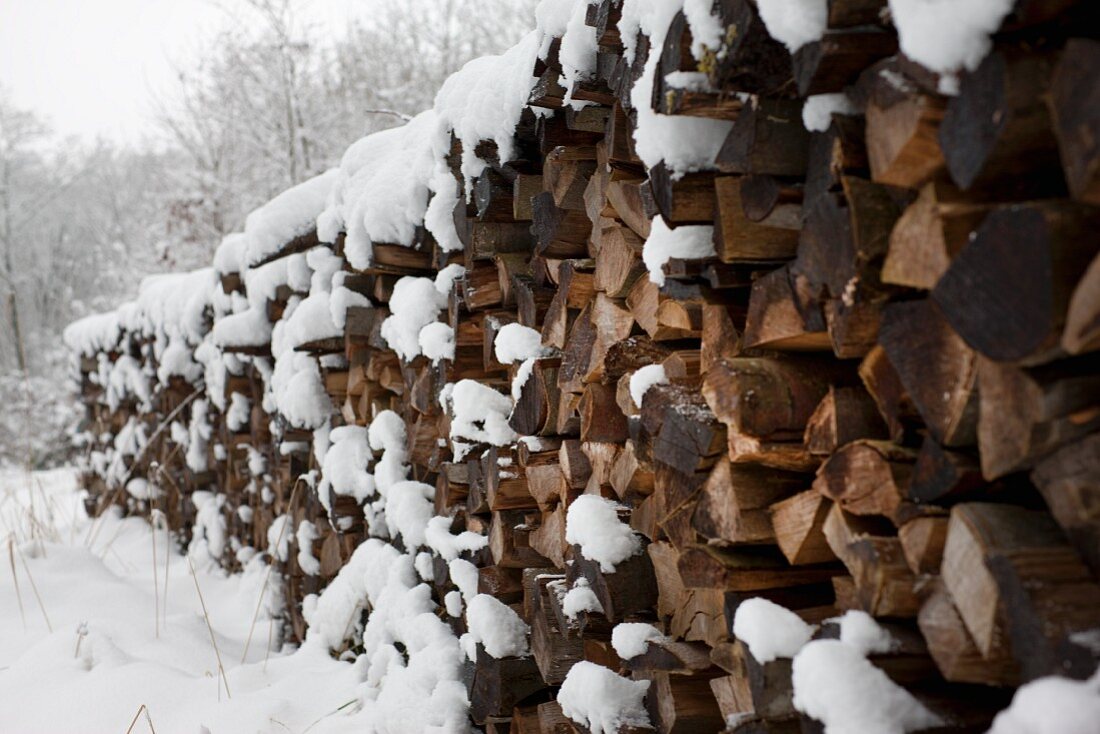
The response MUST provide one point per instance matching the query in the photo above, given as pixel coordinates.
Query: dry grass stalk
(34, 588)
(210, 629)
(15, 579)
(267, 577)
(148, 719)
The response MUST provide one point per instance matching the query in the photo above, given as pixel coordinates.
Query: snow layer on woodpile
(818, 111)
(794, 23)
(497, 627)
(288, 216)
(93, 334)
(597, 698)
(577, 52)
(484, 100)
(229, 258)
(683, 143)
(1052, 705)
(631, 639)
(860, 630)
(448, 546)
(835, 684)
(691, 242)
(382, 189)
(592, 522)
(344, 467)
(414, 304)
(769, 630)
(249, 328)
(948, 36)
(517, 343)
(480, 414)
(299, 391)
(579, 599)
(646, 377)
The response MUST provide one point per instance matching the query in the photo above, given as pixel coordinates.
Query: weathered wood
(630, 589)
(977, 532)
(929, 234)
(844, 415)
(766, 397)
(1025, 414)
(1075, 111)
(774, 320)
(1020, 267)
(733, 504)
(869, 478)
(1069, 480)
(997, 135)
(1082, 333)
(937, 369)
(953, 649)
(799, 526)
(767, 138)
(738, 238)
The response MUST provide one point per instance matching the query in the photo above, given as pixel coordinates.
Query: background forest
(272, 101)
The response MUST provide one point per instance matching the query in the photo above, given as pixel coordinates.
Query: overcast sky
(91, 67)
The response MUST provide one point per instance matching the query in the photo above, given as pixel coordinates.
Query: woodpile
(843, 368)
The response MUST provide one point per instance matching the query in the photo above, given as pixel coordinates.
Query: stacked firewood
(847, 362)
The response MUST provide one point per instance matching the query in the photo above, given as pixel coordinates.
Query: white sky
(91, 67)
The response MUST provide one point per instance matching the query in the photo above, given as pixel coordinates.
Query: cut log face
(902, 146)
(1069, 480)
(1020, 267)
(1074, 102)
(976, 533)
(1026, 414)
(630, 589)
(937, 369)
(799, 526)
(953, 649)
(1082, 332)
(997, 135)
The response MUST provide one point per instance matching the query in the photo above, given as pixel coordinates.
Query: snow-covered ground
(82, 648)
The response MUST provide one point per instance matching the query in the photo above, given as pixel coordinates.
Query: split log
(1069, 480)
(844, 415)
(953, 649)
(739, 238)
(1027, 413)
(869, 478)
(799, 526)
(997, 135)
(774, 320)
(977, 532)
(768, 398)
(1082, 333)
(883, 583)
(929, 234)
(733, 504)
(937, 369)
(1008, 291)
(631, 588)
(1075, 109)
